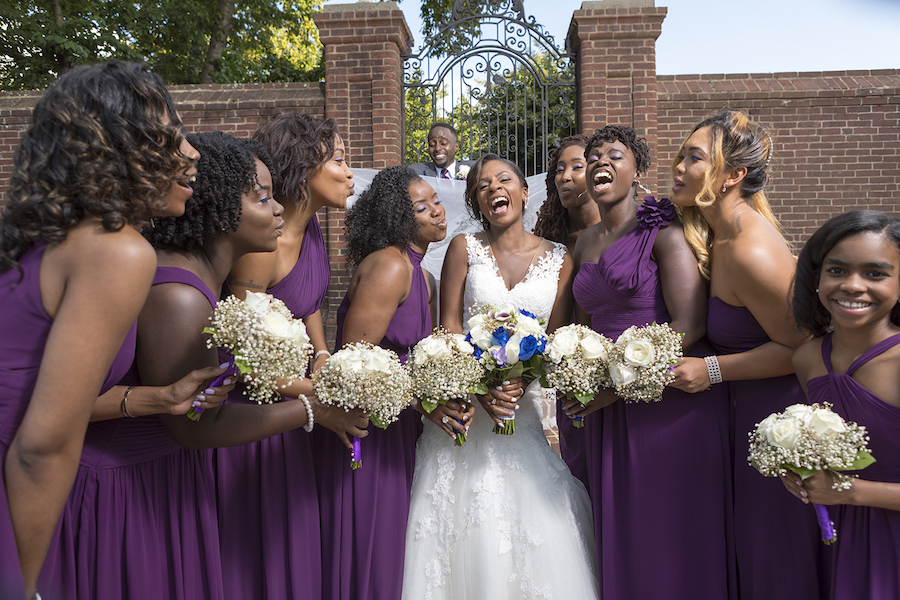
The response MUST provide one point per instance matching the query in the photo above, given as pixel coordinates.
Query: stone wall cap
(363, 6)
(603, 4)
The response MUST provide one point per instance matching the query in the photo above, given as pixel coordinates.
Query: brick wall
(836, 136)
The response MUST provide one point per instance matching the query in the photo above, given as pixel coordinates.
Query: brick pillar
(614, 42)
(363, 72)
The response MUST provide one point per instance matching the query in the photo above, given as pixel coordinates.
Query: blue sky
(758, 36)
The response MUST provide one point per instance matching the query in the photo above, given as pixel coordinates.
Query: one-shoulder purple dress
(140, 522)
(773, 533)
(24, 328)
(659, 473)
(867, 551)
(364, 512)
(267, 503)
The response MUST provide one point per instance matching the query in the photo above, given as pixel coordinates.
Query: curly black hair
(628, 137)
(225, 171)
(809, 312)
(382, 216)
(299, 144)
(104, 141)
(472, 184)
(553, 219)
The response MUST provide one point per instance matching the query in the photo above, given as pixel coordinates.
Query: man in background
(443, 144)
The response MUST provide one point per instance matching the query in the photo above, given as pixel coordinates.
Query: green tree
(184, 41)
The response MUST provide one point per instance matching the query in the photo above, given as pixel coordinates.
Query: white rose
(784, 433)
(298, 332)
(621, 374)
(376, 362)
(801, 412)
(462, 171)
(258, 301)
(461, 343)
(826, 424)
(278, 325)
(766, 425)
(529, 326)
(639, 353)
(593, 347)
(564, 342)
(435, 347)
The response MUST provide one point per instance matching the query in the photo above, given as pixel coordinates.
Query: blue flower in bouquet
(528, 347)
(476, 351)
(541, 345)
(499, 337)
(528, 314)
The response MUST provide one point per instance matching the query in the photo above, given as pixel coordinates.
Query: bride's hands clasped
(502, 400)
(453, 417)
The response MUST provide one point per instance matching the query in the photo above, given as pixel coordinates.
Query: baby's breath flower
(640, 361)
(267, 342)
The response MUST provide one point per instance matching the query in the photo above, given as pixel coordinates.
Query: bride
(500, 517)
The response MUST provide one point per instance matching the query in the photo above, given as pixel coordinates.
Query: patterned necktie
(445, 174)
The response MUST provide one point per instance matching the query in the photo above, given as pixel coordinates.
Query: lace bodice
(536, 292)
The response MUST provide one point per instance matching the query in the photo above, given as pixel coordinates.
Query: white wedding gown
(500, 517)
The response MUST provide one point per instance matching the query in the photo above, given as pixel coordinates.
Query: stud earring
(817, 290)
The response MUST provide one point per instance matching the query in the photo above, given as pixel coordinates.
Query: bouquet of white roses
(508, 343)
(808, 438)
(266, 341)
(371, 378)
(576, 363)
(641, 361)
(443, 367)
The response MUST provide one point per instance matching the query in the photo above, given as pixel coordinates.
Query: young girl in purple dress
(268, 505)
(105, 152)
(390, 302)
(720, 174)
(847, 294)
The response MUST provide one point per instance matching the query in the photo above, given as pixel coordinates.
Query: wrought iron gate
(498, 78)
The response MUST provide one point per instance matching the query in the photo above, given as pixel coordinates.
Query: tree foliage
(184, 41)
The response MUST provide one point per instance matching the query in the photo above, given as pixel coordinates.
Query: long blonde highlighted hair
(736, 142)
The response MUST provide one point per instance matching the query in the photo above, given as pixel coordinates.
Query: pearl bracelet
(310, 418)
(712, 368)
(320, 353)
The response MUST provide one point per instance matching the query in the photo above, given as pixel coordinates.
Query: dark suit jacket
(428, 169)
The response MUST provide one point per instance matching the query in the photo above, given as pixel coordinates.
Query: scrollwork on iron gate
(496, 76)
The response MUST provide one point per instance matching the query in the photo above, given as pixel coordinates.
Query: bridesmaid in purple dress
(104, 153)
(719, 176)
(848, 279)
(144, 523)
(391, 302)
(566, 212)
(659, 473)
(267, 501)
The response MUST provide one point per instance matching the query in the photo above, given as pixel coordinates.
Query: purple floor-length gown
(659, 473)
(867, 551)
(773, 533)
(24, 328)
(267, 503)
(140, 522)
(364, 512)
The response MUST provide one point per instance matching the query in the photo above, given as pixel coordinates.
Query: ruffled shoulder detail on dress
(655, 213)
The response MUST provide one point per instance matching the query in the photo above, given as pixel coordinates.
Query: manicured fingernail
(195, 404)
(505, 383)
(200, 398)
(228, 381)
(223, 365)
(516, 407)
(499, 388)
(209, 391)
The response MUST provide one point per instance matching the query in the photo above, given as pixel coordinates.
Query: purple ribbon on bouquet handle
(195, 412)
(829, 534)
(355, 453)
